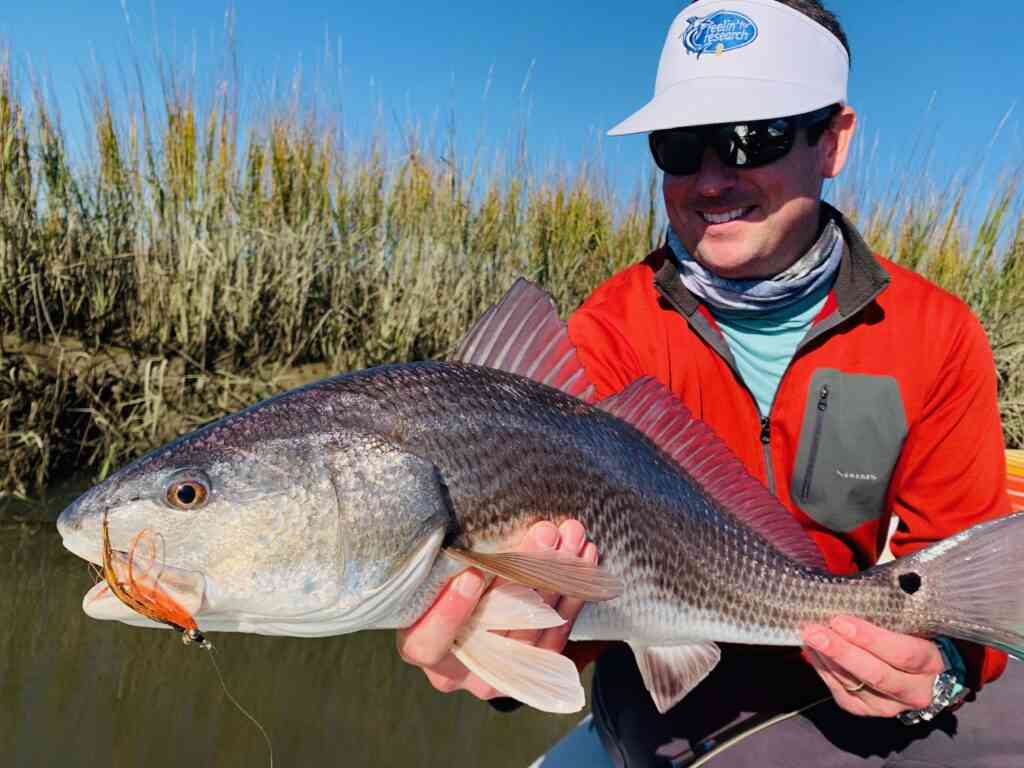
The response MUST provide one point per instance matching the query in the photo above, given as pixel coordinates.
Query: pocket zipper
(819, 420)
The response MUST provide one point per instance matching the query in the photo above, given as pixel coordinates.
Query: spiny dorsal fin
(523, 334)
(654, 410)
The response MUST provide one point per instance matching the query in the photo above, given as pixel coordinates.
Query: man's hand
(427, 644)
(897, 671)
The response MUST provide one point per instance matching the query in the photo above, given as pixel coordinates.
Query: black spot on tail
(910, 582)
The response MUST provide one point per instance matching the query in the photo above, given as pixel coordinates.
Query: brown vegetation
(190, 271)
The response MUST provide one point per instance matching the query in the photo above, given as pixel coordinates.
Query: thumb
(428, 641)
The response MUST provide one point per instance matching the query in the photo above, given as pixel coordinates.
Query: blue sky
(926, 74)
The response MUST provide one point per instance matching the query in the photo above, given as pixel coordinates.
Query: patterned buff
(806, 275)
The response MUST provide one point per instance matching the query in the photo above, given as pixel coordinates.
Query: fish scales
(349, 503)
(512, 452)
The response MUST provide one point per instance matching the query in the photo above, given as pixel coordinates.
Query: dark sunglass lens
(677, 152)
(749, 145)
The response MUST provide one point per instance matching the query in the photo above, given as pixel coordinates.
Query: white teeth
(722, 218)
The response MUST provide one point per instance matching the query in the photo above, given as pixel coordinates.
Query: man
(851, 387)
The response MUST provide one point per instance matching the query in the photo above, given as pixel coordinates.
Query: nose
(70, 520)
(714, 177)
(75, 517)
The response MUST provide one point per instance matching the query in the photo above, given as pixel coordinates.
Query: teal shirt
(764, 343)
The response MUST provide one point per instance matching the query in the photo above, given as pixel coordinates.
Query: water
(79, 692)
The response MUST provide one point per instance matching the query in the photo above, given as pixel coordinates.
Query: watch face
(947, 690)
(944, 685)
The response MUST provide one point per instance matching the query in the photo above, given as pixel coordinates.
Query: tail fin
(977, 577)
(1015, 479)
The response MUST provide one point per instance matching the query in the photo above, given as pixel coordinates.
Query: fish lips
(186, 588)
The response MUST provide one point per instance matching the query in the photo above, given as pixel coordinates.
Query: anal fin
(670, 672)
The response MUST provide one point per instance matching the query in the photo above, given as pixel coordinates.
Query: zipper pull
(823, 398)
(766, 430)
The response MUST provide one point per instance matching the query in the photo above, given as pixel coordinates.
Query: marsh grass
(191, 267)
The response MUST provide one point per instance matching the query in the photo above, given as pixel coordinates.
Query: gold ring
(857, 688)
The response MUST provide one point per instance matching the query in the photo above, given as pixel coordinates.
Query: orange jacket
(888, 407)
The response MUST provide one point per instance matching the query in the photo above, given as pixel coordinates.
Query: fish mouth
(184, 587)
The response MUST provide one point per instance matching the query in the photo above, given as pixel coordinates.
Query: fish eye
(186, 494)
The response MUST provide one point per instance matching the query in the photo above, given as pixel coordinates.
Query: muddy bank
(69, 410)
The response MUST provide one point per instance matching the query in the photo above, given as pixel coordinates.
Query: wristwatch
(948, 688)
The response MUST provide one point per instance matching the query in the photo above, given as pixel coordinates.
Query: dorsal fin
(654, 410)
(523, 334)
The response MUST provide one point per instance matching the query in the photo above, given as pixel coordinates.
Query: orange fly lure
(151, 602)
(155, 604)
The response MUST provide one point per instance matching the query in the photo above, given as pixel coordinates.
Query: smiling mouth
(725, 217)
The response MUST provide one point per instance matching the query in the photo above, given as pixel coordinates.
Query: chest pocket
(853, 429)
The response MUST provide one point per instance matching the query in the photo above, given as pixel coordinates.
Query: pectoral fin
(543, 679)
(671, 672)
(554, 572)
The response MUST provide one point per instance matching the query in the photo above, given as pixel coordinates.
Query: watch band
(948, 688)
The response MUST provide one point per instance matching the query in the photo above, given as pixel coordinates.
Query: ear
(834, 144)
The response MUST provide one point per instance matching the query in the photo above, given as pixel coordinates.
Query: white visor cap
(729, 61)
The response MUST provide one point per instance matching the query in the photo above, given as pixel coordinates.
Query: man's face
(779, 204)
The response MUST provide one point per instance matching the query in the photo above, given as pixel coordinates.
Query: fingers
(838, 689)
(540, 538)
(428, 641)
(837, 673)
(451, 675)
(555, 638)
(864, 702)
(889, 690)
(569, 538)
(860, 664)
(910, 654)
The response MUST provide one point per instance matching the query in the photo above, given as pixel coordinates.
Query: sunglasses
(679, 151)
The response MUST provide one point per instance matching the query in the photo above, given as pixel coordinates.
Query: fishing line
(705, 758)
(208, 647)
(153, 603)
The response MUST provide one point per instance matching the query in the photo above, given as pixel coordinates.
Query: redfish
(347, 505)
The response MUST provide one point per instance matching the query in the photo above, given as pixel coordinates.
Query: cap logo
(720, 32)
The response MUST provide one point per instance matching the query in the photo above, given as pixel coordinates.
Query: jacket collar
(860, 279)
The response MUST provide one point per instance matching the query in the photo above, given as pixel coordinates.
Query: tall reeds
(194, 266)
